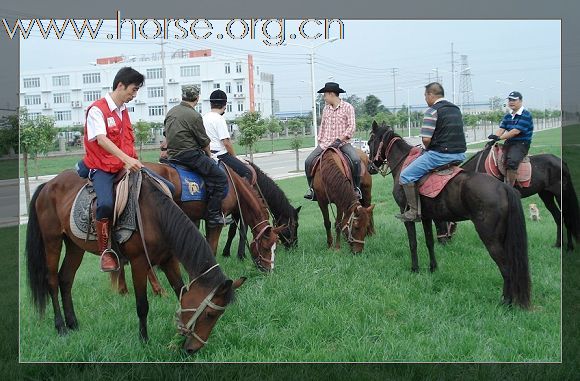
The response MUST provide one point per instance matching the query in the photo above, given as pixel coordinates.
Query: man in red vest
(109, 146)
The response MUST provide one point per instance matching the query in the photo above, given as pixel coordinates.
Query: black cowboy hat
(332, 87)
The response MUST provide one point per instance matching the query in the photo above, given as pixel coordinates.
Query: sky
(502, 55)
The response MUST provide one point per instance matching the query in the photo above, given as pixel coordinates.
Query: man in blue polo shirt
(516, 128)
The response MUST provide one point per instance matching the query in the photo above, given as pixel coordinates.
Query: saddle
(82, 216)
(431, 184)
(344, 159)
(192, 184)
(495, 166)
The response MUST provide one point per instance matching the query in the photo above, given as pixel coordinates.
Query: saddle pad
(495, 166)
(414, 153)
(192, 184)
(433, 183)
(345, 160)
(81, 223)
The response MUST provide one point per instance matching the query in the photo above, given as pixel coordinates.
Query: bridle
(290, 226)
(187, 329)
(384, 160)
(350, 222)
(259, 258)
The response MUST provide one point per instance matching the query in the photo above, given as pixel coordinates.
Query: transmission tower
(465, 90)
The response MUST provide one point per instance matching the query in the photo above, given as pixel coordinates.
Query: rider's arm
(229, 146)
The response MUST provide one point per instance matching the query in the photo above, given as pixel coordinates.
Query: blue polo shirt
(521, 120)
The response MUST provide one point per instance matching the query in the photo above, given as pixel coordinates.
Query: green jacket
(184, 130)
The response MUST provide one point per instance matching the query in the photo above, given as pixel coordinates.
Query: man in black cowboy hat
(337, 127)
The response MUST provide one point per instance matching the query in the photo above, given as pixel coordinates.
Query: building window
(155, 92)
(60, 80)
(92, 78)
(62, 115)
(238, 67)
(33, 115)
(227, 68)
(156, 110)
(154, 73)
(61, 98)
(258, 88)
(228, 88)
(30, 100)
(130, 109)
(259, 107)
(229, 107)
(240, 107)
(239, 87)
(216, 85)
(257, 70)
(198, 108)
(31, 82)
(190, 71)
(91, 96)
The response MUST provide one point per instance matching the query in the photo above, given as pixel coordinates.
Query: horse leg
(155, 285)
(326, 218)
(337, 230)
(428, 230)
(549, 201)
(66, 276)
(139, 268)
(173, 274)
(118, 282)
(242, 242)
(213, 236)
(412, 236)
(231, 235)
(53, 248)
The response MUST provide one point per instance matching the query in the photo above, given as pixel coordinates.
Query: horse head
(355, 224)
(200, 307)
(380, 137)
(263, 246)
(289, 233)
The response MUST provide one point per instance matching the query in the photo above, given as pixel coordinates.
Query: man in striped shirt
(336, 129)
(444, 140)
(516, 128)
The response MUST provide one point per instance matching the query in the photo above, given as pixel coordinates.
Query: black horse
(493, 207)
(551, 180)
(283, 212)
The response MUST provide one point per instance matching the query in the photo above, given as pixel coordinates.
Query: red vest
(120, 133)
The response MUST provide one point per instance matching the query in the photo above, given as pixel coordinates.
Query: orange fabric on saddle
(432, 183)
(495, 166)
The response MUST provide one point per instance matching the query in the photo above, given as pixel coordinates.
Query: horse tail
(36, 257)
(516, 249)
(570, 209)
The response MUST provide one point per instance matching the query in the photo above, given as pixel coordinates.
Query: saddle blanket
(82, 222)
(495, 166)
(345, 160)
(192, 184)
(434, 182)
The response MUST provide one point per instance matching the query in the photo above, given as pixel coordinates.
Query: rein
(387, 152)
(188, 328)
(350, 222)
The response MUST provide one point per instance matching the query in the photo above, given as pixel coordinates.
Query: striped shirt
(521, 120)
(336, 122)
(429, 121)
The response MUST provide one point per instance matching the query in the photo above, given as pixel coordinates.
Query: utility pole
(394, 70)
(453, 73)
(164, 78)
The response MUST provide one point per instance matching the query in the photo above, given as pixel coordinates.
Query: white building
(66, 93)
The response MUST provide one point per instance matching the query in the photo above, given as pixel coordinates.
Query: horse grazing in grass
(332, 183)
(166, 233)
(284, 214)
(551, 180)
(493, 207)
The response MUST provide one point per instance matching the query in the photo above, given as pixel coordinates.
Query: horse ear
(370, 208)
(226, 285)
(298, 209)
(375, 126)
(238, 282)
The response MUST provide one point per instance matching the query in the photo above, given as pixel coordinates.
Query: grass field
(322, 305)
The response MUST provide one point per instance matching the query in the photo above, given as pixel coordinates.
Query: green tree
(295, 126)
(251, 127)
(273, 126)
(470, 120)
(36, 138)
(142, 134)
(357, 103)
(9, 134)
(371, 105)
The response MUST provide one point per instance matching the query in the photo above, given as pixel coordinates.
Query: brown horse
(167, 234)
(332, 184)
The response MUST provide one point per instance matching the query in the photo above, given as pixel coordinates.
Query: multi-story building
(65, 93)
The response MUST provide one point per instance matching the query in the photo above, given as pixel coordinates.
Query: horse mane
(274, 196)
(183, 237)
(335, 179)
(256, 205)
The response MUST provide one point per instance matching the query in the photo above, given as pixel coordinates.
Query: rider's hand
(336, 143)
(493, 137)
(132, 164)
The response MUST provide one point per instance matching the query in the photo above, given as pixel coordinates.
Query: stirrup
(106, 251)
(358, 193)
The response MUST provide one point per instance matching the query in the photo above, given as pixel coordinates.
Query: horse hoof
(62, 331)
(123, 291)
(160, 292)
(74, 325)
(415, 270)
(225, 254)
(432, 268)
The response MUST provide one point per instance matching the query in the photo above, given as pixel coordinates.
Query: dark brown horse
(354, 218)
(493, 207)
(167, 233)
(283, 213)
(551, 180)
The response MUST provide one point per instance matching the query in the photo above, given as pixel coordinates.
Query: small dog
(534, 212)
